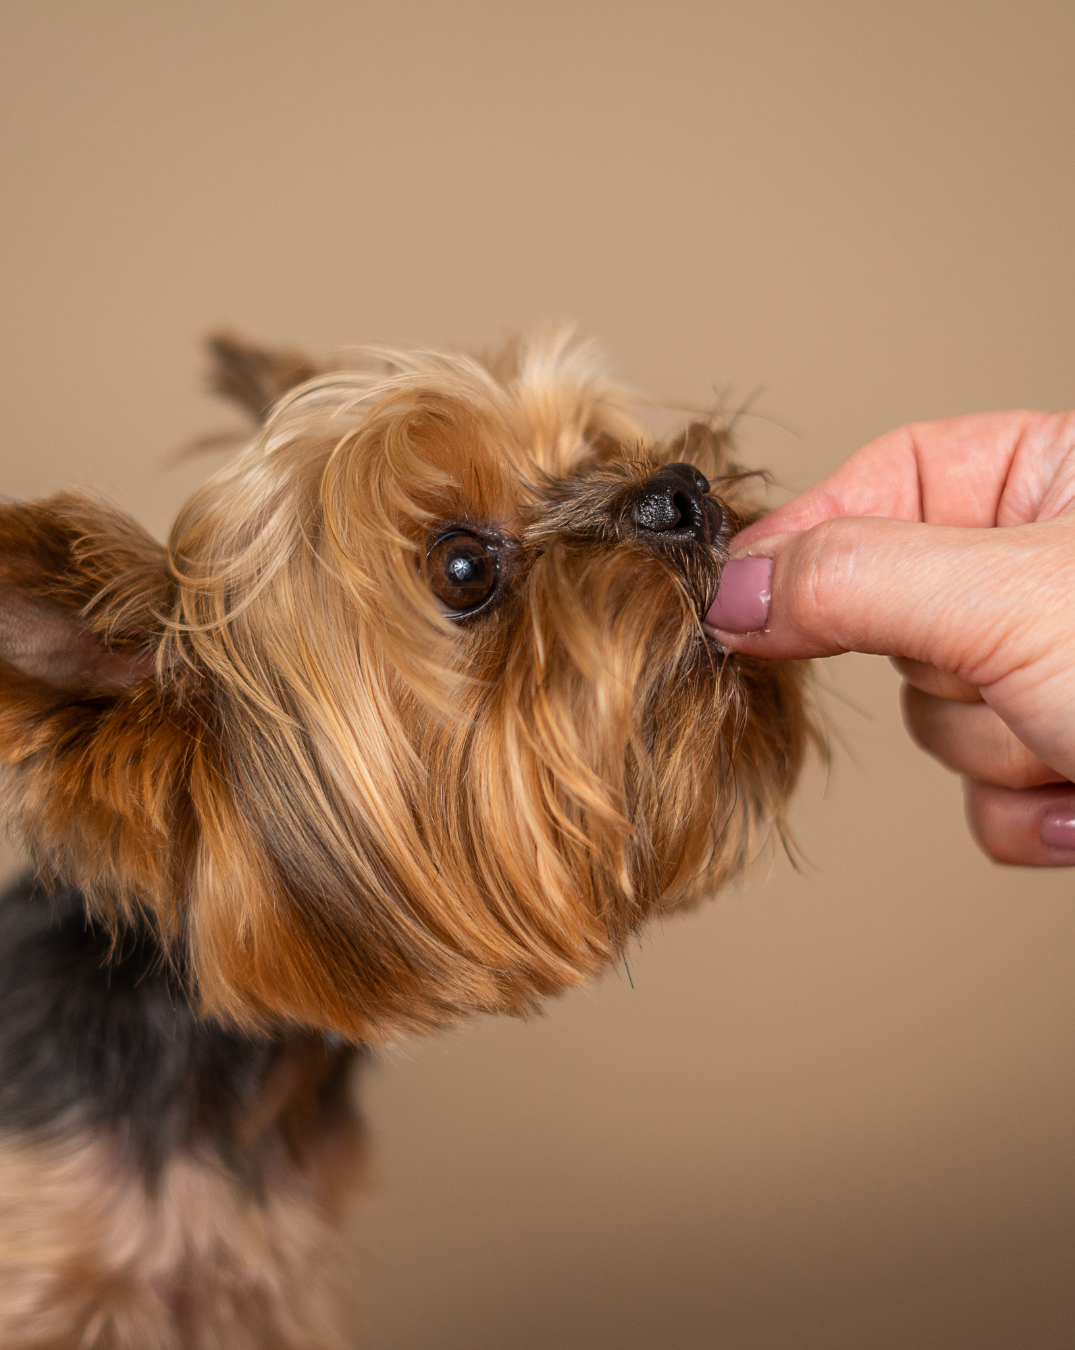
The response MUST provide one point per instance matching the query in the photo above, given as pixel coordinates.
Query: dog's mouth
(674, 513)
(690, 530)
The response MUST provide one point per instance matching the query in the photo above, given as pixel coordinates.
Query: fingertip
(1023, 827)
(1057, 829)
(756, 610)
(741, 604)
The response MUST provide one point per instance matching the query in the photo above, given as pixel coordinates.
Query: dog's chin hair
(354, 811)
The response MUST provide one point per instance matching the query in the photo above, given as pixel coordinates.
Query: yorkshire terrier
(415, 717)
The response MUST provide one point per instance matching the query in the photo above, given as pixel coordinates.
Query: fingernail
(1057, 829)
(742, 601)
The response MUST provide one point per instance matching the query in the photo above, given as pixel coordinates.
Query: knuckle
(1019, 768)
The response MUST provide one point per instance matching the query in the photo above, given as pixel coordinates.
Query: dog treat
(414, 718)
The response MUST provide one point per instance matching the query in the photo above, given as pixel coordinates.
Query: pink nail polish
(1057, 829)
(742, 601)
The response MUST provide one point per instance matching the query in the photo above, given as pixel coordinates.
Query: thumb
(968, 601)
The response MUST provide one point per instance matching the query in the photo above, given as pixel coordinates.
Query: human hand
(949, 546)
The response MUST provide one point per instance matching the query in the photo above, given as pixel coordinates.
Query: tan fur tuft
(91, 1258)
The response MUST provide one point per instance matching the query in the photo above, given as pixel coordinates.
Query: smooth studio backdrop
(836, 1108)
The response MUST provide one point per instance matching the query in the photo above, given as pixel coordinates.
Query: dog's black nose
(673, 504)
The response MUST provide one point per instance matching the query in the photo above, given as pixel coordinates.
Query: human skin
(950, 547)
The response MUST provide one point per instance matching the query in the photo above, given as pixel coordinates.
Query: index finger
(986, 469)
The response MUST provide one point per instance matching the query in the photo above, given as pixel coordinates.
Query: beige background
(836, 1109)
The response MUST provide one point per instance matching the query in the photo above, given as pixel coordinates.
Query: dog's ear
(255, 376)
(91, 747)
(83, 594)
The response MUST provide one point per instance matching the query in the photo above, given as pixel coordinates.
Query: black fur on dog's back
(102, 1036)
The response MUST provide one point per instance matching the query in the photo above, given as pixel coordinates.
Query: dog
(416, 717)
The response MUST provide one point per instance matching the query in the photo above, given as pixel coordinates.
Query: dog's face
(417, 717)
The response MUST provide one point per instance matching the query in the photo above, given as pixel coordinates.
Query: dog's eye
(462, 571)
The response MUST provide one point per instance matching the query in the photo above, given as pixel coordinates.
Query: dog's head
(416, 716)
